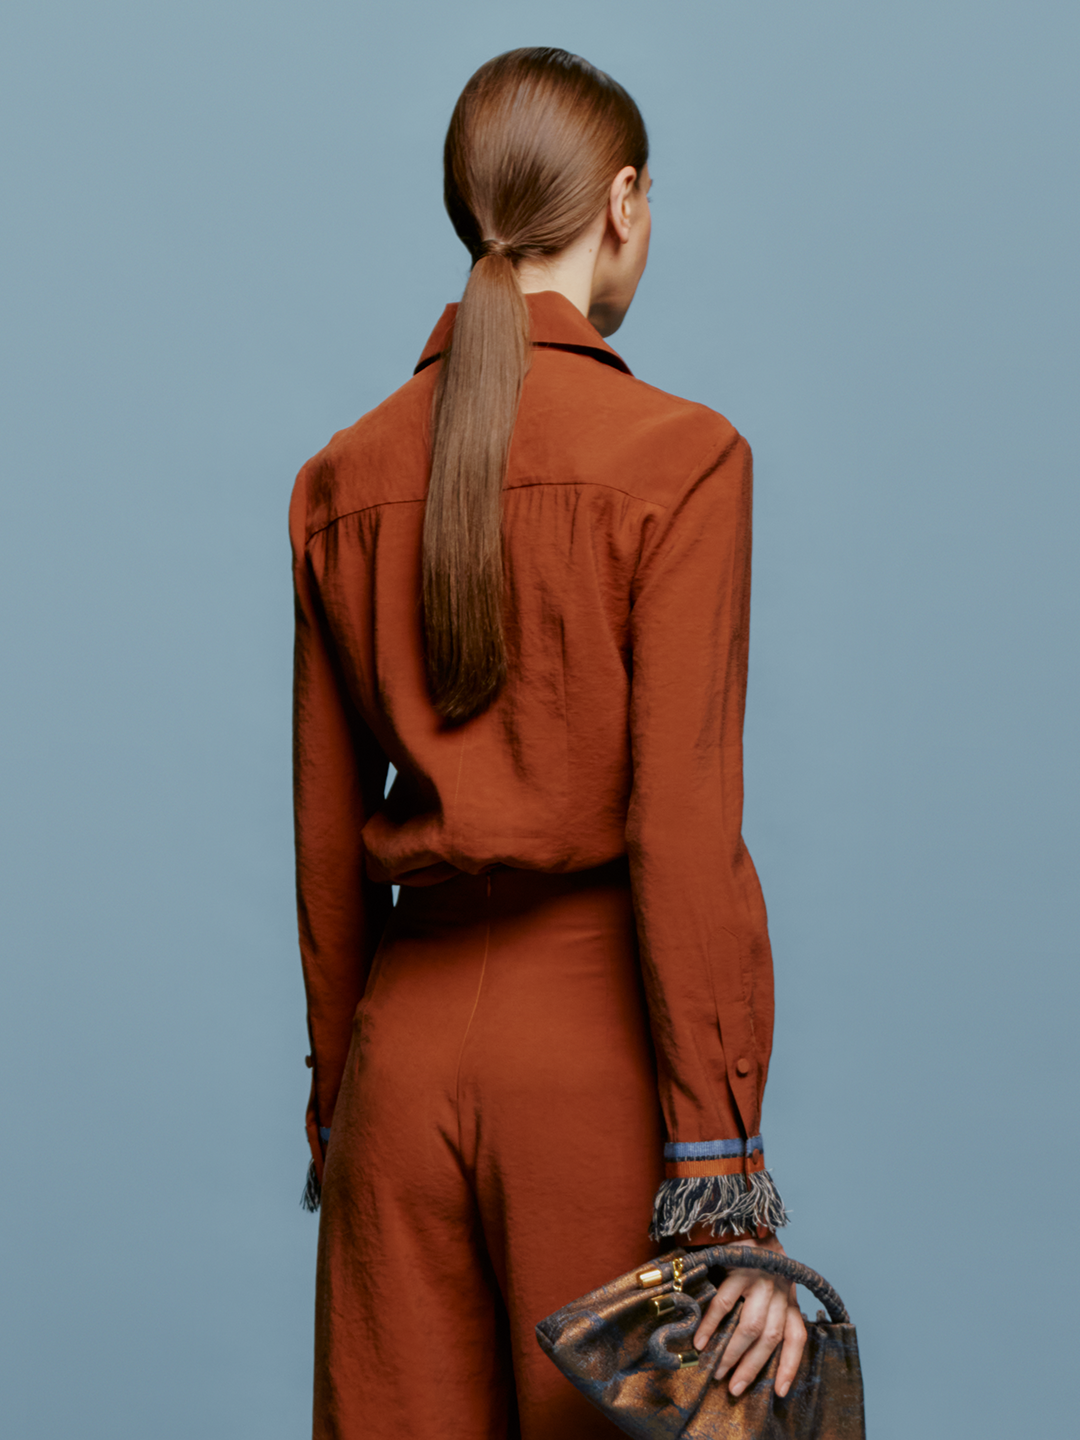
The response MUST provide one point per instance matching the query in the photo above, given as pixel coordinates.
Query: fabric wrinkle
(472, 1013)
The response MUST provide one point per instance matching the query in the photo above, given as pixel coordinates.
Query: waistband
(500, 889)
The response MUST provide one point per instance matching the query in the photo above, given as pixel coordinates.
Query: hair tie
(495, 247)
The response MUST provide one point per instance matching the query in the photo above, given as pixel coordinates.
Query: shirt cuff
(718, 1185)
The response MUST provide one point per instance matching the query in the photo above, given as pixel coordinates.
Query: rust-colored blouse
(627, 544)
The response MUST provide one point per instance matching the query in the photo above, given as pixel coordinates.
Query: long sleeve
(701, 919)
(339, 772)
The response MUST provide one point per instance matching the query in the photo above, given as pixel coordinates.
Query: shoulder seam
(710, 461)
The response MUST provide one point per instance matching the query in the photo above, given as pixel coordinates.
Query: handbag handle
(743, 1257)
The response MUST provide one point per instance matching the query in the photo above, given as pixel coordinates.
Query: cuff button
(742, 1067)
(309, 1062)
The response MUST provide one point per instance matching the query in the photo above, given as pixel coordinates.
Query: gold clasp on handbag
(678, 1267)
(650, 1277)
(687, 1358)
(662, 1305)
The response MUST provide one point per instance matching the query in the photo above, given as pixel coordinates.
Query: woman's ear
(620, 207)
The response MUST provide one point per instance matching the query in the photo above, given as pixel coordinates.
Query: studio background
(224, 241)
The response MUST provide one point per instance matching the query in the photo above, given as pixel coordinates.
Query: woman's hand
(770, 1317)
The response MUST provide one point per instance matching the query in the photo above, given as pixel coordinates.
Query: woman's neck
(571, 272)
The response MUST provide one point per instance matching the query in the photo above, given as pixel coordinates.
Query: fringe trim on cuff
(311, 1199)
(730, 1203)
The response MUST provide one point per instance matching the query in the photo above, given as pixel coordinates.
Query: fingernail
(699, 1343)
(738, 1387)
(781, 1390)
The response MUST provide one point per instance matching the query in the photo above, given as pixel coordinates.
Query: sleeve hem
(729, 1204)
(311, 1198)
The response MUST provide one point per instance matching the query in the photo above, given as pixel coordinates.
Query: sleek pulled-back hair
(535, 140)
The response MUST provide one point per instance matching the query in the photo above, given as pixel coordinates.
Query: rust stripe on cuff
(693, 1169)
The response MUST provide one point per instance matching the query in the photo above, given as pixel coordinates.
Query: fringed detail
(731, 1204)
(311, 1199)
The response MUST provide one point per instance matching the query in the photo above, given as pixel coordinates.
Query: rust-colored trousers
(494, 1153)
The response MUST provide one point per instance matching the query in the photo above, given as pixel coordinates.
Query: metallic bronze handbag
(628, 1347)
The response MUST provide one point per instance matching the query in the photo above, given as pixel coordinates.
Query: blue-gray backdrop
(224, 240)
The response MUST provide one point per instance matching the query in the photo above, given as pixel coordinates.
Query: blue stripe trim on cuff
(712, 1149)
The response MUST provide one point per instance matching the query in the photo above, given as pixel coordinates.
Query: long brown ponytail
(534, 143)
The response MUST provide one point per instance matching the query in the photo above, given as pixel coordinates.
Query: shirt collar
(555, 322)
